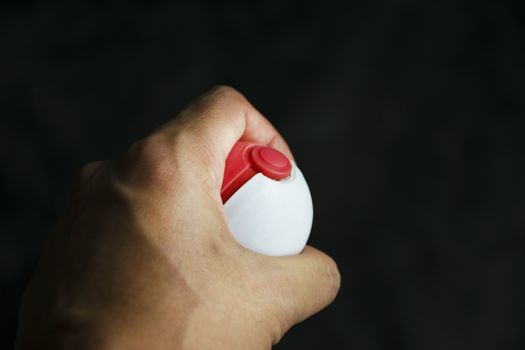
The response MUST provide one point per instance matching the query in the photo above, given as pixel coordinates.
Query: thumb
(314, 280)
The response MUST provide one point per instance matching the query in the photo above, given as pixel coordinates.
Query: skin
(142, 258)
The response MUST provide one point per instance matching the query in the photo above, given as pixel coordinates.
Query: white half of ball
(272, 217)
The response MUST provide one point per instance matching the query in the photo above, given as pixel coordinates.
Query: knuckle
(148, 162)
(226, 94)
(88, 169)
(86, 173)
(147, 152)
(224, 90)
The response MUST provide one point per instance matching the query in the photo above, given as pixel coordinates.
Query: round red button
(271, 162)
(273, 157)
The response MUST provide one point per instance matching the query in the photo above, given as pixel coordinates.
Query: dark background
(406, 117)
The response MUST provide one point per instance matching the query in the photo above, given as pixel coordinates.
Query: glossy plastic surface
(272, 217)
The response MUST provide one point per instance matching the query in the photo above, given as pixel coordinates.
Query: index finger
(217, 120)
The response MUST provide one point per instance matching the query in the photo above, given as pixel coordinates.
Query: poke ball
(266, 199)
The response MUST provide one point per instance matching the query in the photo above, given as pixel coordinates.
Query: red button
(271, 162)
(273, 157)
(245, 160)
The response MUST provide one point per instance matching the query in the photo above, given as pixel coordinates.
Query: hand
(143, 259)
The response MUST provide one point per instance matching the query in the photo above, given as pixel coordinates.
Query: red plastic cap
(271, 162)
(246, 159)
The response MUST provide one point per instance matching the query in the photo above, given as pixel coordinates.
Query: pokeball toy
(266, 199)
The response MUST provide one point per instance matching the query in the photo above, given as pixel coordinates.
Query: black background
(406, 117)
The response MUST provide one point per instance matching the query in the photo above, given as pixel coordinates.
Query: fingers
(218, 119)
(314, 281)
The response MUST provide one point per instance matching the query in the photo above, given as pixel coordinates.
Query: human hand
(143, 259)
